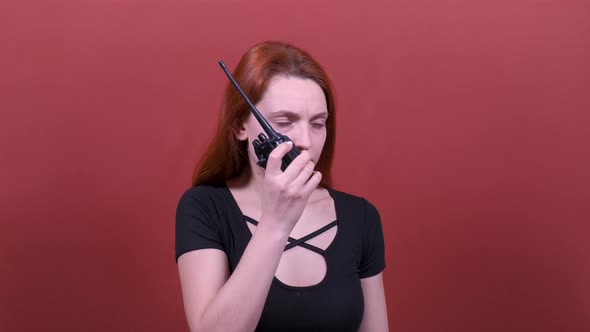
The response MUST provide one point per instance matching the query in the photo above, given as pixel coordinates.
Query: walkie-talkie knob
(262, 137)
(256, 143)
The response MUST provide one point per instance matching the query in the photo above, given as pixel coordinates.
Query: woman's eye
(318, 125)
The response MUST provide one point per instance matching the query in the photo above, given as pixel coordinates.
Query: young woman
(266, 250)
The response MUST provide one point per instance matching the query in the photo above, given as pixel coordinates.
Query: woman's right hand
(285, 194)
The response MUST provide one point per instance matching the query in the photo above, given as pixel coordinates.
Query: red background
(465, 122)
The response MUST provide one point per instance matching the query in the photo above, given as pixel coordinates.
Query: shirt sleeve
(373, 259)
(196, 226)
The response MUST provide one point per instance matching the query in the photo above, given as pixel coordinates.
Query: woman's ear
(241, 133)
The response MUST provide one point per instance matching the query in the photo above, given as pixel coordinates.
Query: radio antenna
(265, 125)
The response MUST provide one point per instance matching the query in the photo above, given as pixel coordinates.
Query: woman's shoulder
(210, 203)
(346, 196)
(205, 193)
(204, 190)
(352, 202)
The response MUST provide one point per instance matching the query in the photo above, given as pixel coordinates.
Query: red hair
(226, 156)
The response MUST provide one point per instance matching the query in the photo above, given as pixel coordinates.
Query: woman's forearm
(239, 303)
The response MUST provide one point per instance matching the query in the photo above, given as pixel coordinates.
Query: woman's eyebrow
(322, 115)
(292, 114)
(286, 113)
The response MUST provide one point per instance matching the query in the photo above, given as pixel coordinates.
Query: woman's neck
(251, 182)
(250, 179)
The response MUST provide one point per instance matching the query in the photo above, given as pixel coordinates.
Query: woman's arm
(375, 315)
(214, 301)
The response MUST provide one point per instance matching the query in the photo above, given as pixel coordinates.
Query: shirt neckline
(276, 281)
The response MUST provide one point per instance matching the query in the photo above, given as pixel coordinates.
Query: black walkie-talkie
(263, 146)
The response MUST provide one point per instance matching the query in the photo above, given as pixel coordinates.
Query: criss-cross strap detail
(302, 241)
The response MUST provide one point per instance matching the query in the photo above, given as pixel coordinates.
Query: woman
(267, 250)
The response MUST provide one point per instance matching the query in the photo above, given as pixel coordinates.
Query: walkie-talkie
(263, 146)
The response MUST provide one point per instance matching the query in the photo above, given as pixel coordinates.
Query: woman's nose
(302, 138)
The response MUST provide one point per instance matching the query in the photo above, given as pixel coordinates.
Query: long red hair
(226, 156)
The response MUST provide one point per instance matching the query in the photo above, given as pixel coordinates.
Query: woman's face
(295, 107)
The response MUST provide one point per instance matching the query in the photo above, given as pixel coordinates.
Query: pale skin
(294, 205)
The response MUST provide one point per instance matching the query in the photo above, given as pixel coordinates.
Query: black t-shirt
(209, 217)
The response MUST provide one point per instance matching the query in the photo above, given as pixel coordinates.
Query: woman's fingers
(275, 158)
(286, 193)
(312, 183)
(299, 177)
(297, 165)
(304, 174)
